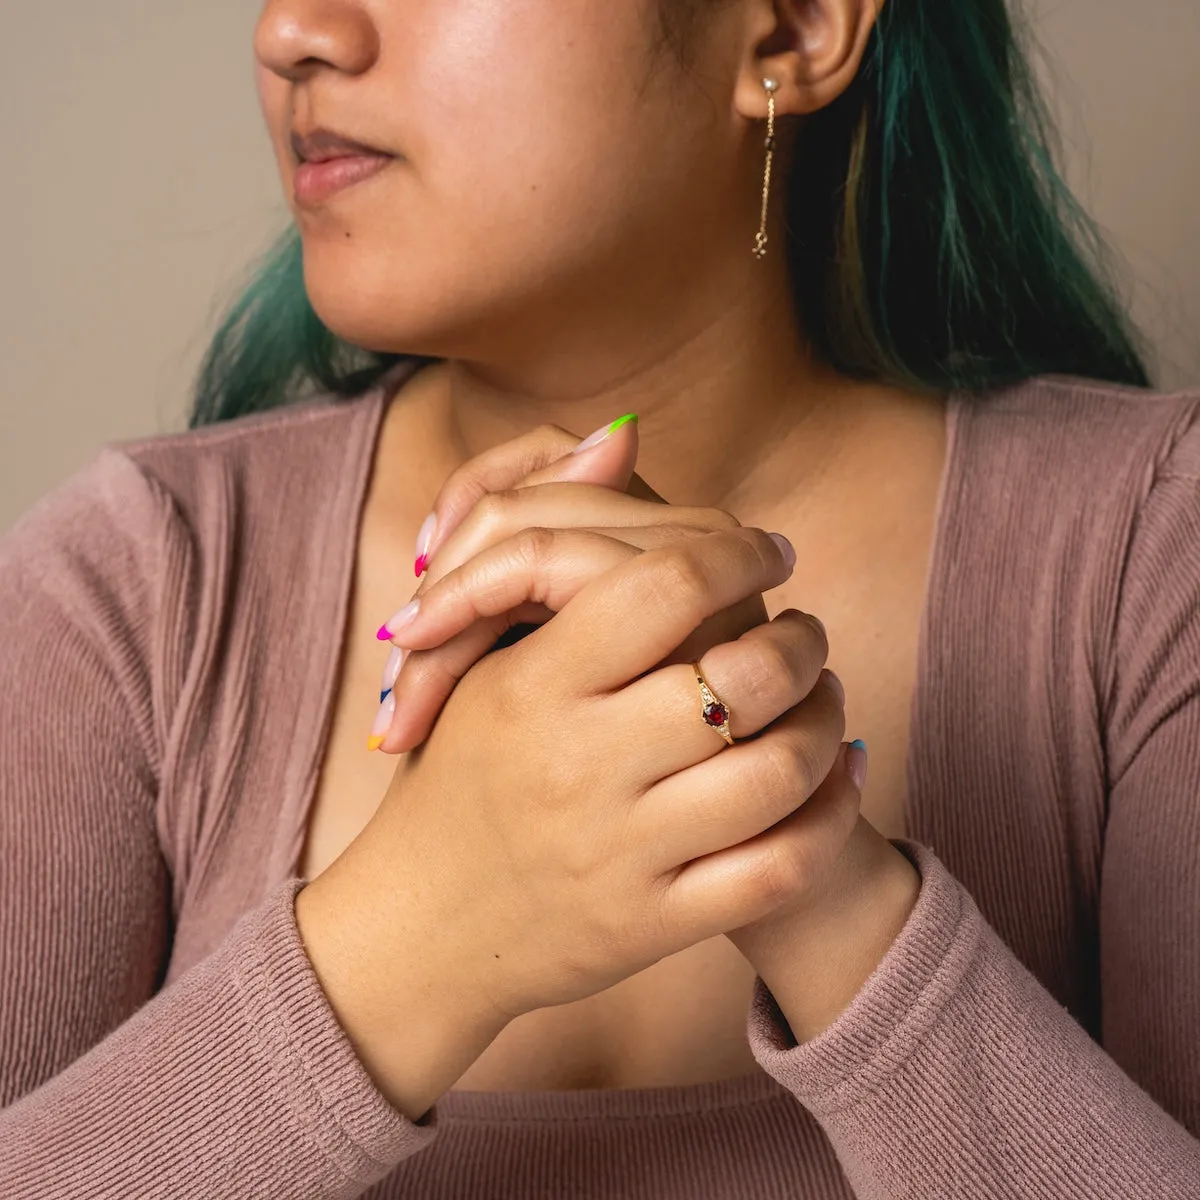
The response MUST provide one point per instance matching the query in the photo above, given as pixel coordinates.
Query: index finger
(541, 456)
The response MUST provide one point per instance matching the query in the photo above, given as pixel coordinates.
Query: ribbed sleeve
(954, 1072)
(236, 1079)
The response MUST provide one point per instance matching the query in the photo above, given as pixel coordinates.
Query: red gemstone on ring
(715, 714)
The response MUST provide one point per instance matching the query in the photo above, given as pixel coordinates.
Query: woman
(611, 910)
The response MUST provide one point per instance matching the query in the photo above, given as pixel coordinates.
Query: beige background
(137, 181)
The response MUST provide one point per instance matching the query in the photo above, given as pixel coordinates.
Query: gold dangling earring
(760, 241)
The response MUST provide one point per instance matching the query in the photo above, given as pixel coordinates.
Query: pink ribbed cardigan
(1032, 1032)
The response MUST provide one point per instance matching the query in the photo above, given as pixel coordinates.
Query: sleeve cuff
(893, 1011)
(318, 1073)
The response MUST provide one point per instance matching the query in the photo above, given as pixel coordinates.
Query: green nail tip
(622, 421)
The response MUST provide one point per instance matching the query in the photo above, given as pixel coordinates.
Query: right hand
(570, 820)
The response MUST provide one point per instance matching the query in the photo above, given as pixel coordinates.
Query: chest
(865, 577)
(644, 1031)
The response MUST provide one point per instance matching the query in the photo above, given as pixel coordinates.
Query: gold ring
(714, 712)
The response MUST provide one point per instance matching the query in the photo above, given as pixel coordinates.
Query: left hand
(514, 543)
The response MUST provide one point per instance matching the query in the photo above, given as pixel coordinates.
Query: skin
(569, 227)
(625, 193)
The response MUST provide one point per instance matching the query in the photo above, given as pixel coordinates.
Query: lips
(321, 145)
(315, 182)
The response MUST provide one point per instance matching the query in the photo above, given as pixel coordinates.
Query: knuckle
(553, 435)
(681, 530)
(762, 545)
(780, 874)
(535, 543)
(661, 920)
(808, 762)
(682, 574)
(422, 669)
(773, 672)
(807, 625)
(494, 511)
(720, 519)
(575, 861)
(777, 770)
(656, 925)
(462, 482)
(790, 765)
(840, 718)
(818, 627)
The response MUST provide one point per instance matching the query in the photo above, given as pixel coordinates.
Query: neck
(734, 410)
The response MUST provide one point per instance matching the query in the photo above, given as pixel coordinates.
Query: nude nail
(390, 670)
(785, 548)
(856, 762)
(425, 543)
(382, 722)
(594, 439)
(398, 620)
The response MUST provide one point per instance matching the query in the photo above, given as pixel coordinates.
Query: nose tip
(295, 38)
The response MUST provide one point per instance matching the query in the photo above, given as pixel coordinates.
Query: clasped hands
(520, 530)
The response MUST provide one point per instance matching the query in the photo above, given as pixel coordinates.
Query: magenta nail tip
(420, 565)
(384, 634)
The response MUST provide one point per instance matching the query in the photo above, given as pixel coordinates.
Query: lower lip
(314, 182)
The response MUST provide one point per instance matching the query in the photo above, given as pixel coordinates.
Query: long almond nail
(391, 669)
(398, 620)
(594, 439)
(856, 762)
(382, 722)
(424, 543)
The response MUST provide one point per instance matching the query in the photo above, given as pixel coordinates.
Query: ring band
(714, 712)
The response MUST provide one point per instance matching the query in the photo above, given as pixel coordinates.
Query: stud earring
(760, 240)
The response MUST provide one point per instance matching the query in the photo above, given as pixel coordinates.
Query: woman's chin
(418, 319)
(386, 328)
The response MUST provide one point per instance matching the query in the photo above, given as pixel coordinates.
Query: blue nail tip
(858, 744)
(384, 695)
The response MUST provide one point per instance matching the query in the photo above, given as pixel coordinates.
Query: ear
(811, 48)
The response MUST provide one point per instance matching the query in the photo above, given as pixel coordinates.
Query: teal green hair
(932, 241)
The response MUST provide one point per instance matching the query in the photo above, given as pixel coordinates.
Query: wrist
(817, 961)
(414, 1028)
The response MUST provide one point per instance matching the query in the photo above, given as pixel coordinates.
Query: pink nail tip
(420, 565)
(384, 634)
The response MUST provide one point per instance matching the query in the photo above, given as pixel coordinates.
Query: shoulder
(1091, 491)
(152, 533)
(260, 461)
(1064, 498)
(1083, 434)
(1062, 467)
(117, 515)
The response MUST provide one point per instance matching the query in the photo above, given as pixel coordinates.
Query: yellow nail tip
(375, 741)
